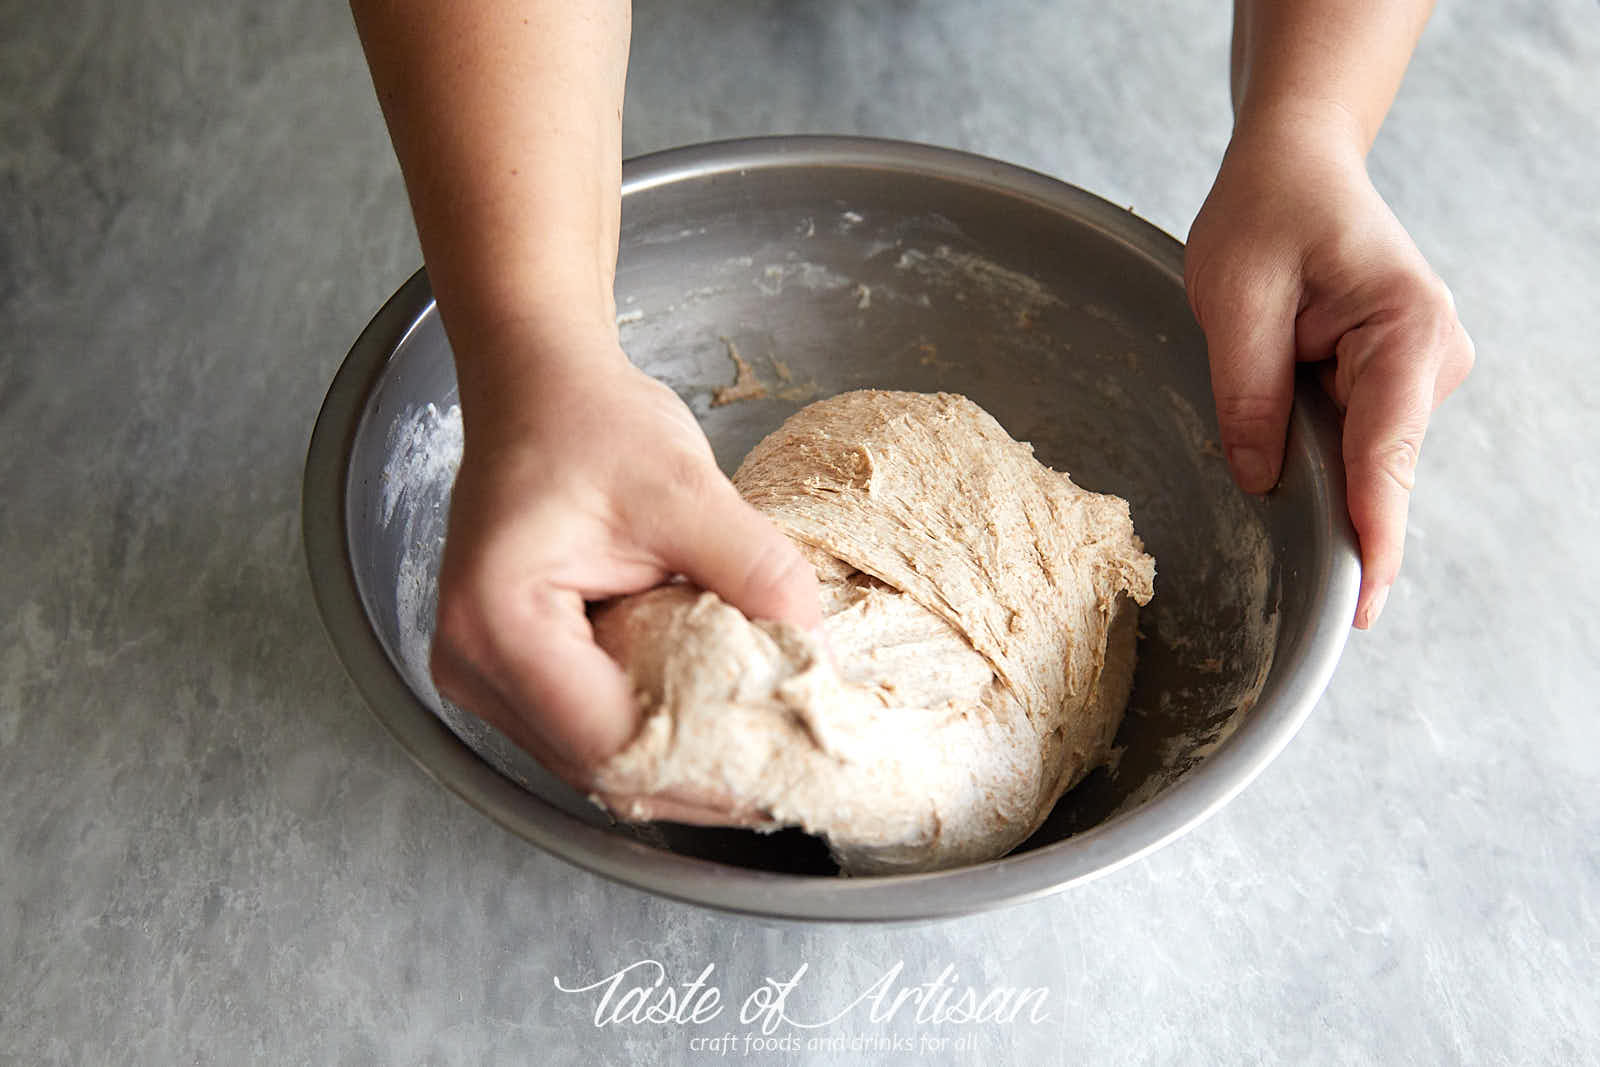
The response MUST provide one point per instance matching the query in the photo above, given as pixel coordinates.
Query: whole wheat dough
(980, 613)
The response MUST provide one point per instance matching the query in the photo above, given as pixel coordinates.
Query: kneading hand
(593, 482)
(1295, 256)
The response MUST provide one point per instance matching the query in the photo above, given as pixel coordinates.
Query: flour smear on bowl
(424, 454)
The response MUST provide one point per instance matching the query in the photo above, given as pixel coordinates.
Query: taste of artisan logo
(641, 995)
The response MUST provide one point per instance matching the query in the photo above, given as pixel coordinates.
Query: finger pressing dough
(979, 620)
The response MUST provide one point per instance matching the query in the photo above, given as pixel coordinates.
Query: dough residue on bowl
(978, 652)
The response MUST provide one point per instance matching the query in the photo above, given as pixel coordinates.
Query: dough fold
(980, 614)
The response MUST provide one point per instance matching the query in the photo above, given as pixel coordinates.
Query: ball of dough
(979, 610)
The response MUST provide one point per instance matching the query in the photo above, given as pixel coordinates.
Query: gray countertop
(210, 852)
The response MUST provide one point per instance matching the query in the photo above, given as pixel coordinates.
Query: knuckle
(1397, 462)
(687, 475)
(1221, 287)
(681, 487)
(1196, 282)
(1445, 348)
(1420, 286)
(458, 646)
(1436, 327)
(1462, 357)
(1440, 327)
(450, 675)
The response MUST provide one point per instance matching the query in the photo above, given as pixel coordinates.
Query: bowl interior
(1060, 315)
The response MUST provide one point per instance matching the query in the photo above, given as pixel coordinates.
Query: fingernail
(1375, 608)
(1252, 468)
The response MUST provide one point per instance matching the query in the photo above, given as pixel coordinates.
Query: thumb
(723, 544)
(1390, 399)
(1249, 333)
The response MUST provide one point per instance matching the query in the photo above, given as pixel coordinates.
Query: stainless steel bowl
(834, 264)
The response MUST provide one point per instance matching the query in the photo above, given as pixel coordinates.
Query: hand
(1295, 256)
(592, 481)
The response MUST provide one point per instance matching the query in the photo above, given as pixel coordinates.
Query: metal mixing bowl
(834, 264)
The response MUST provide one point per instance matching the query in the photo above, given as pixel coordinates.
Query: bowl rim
(1098, 851)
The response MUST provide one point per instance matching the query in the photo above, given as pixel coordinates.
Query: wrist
(502, 298)
(521, 359)
(1286, 140)
(1324, 128)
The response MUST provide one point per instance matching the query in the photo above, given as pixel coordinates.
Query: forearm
(1333, 63)
(506, 117)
